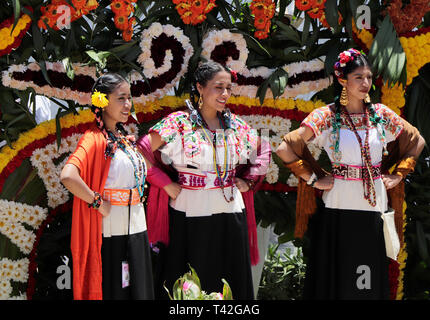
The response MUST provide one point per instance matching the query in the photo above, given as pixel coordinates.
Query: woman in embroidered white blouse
(348, 232)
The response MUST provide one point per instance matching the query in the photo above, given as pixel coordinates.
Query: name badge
(125, 274)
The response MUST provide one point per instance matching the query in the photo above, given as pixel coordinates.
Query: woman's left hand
(391, 180)
(241, 184)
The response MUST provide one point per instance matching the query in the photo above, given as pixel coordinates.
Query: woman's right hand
(173, 189)
(325, 183)
(104, 208)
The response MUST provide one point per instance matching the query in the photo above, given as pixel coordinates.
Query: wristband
(97, 201)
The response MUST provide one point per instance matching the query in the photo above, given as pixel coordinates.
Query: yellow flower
(99, 100)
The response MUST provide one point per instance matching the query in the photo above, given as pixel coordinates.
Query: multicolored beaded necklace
(128, 146)
(222, 176)
(368, 183)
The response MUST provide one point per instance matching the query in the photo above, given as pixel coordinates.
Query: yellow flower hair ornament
(99, 100)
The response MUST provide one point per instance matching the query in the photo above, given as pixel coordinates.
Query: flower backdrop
(283, 59)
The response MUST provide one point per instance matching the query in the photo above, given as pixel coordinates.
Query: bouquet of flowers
(188, 287)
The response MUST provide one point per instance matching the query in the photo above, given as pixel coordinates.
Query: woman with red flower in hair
(347, 258)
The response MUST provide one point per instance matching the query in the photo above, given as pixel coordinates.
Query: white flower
(293, 181)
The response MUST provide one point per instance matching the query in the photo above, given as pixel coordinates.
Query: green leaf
(16, 12)
(331, 13)
(289, 32)
(226, 291)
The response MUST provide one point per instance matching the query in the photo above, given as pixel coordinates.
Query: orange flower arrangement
(315, 10)
(407, 17)
(194, 11)
(263, 10)
(122, 10)
(51, 14)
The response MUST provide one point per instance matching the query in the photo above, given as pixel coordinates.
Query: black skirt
(135, 250)
(347, 258)
(215, 246)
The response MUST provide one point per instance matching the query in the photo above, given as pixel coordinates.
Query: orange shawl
(306, 200)
(86, 237)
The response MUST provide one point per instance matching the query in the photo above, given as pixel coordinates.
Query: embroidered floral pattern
(178, 124)
(321, 119)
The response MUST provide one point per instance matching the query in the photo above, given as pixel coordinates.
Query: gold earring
(367, 99)
(343, 97)
(200, 102)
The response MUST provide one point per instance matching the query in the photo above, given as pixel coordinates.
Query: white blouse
(190, 152)
(121, 176)
(348, 194)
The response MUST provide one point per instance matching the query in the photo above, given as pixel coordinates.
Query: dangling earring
(367, 99)
(200, 102)
(343, 97)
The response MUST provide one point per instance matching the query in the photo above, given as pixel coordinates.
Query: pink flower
(219, 296)
(186, 286)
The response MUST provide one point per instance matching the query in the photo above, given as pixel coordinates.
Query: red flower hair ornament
(343, 58)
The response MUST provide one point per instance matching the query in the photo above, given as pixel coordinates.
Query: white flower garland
(218, 37)
(82, 98)
(12, 215)
(15, 270)
(148, 64)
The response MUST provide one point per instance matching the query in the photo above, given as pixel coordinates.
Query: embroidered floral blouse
(191, 154)
(347, 194)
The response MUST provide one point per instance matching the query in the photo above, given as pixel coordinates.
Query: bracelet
(312, 179)
(97, 201)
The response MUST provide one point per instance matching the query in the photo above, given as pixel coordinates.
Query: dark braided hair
(106, 84)
(205, 72)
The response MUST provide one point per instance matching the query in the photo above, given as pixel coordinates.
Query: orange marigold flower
(315, 12)
(260, 34)
(127, 34)
(210, 6)
(117, 6)
(304, 5)
(121, 22)
(43, 22)
(92, 5)
(260, 22)
(182, 8)
(198, 19)
(79, 4)
(198, 6)
(319, 3)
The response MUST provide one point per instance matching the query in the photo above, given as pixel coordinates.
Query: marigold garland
(9, 39)
(194, 11)
(51, 15)
(263, 11)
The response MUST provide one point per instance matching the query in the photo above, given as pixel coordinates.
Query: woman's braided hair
(106, 84)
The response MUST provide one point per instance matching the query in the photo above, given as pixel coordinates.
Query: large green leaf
(386, 55)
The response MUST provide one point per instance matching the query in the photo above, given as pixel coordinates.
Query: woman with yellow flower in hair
(106, 174)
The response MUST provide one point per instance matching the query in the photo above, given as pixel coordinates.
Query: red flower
(304, 5)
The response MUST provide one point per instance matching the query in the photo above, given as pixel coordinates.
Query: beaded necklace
(368, 184)
(222, 176)
(140, 167)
